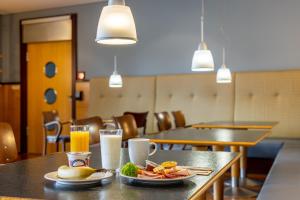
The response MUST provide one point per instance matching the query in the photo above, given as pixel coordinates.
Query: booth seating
(252, 96)
(282, 181)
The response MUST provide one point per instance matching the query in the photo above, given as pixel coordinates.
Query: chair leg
(64, 146)
(171, 146)
(45, 147)
(57, 146)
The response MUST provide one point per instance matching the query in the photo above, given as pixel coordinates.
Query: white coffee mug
(139, 150)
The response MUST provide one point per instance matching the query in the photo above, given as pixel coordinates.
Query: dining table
(218, 138)
(246, 125)
(240, 125)
(25, 179)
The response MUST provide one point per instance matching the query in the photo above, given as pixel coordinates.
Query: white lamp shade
(224, 75)
(115, 81)
(203, 61)
(116, 26)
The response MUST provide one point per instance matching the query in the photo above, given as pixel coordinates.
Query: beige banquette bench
(252, 96)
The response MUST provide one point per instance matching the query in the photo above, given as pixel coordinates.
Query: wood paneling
(10, 108)
(83, 104)
(39, 54)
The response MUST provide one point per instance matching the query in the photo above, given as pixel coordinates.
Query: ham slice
(183, 172)
(171, 173)
(171, 176)
(151, 177)
(148, 173)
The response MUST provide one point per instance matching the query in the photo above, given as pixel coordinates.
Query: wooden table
(237, 124)
(218, 138)
(240, 125)
(25, 178)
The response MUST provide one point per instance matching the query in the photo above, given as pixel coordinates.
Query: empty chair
(179, 119)
(52, 131)
(163, 121)
(163, 124)
(140, 119)
(95, 124)
(8, 147)
(128, 124)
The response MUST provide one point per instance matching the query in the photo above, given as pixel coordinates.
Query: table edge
(220, 173)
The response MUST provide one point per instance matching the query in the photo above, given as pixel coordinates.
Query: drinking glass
(80, 138)
(110, 143)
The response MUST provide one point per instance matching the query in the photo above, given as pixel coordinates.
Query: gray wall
(259, 35)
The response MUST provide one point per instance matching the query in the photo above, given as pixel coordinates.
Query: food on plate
(130, 169)
(159, 169)
(169, 164)
(166, 170)
(65, 172)
(150, 165)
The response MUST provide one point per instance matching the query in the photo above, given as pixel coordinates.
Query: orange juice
(80, 141)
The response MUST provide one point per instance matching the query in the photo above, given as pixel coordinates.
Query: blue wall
(259, 35)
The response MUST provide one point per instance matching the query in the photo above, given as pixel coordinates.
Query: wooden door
(40, 56)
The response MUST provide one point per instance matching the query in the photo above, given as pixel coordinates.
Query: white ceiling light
(116, 24)
(224, 74)
(115, 80)
(203, 59)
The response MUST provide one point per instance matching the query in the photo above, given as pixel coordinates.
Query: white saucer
(94, 178)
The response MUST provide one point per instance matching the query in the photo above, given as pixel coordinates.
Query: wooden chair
(8, 147)
(52, 130)
(140, 119)
(95, 124)
(128, 124)
(163, 123)
(179, 119)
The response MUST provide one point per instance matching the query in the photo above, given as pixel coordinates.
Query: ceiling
(15, 6)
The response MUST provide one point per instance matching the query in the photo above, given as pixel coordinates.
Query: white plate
(94, 178)
(158, 181)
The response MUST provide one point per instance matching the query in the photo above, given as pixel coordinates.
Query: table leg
(244, 181)
(219, 184)
(235, 174)
(235, 190)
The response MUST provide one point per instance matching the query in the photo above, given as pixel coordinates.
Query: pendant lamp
(202, 59)
(224, 74)
(116, 24)
(115, 80)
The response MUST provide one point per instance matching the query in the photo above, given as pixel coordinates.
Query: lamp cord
(115, 63)
(202, 21)
(223, 56)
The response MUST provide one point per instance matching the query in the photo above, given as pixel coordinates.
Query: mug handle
(155, 148)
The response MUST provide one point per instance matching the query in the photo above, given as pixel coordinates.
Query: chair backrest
(95, 123)
(51, 123)
(128, 124)
(179, 119)
(49, 116)
(140, 119)
(163, 121)
(8, 147)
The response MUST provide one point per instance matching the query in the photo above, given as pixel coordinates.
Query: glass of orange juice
(80, 138)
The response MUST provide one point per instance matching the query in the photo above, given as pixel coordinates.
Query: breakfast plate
(161, 181)
(92, 179)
